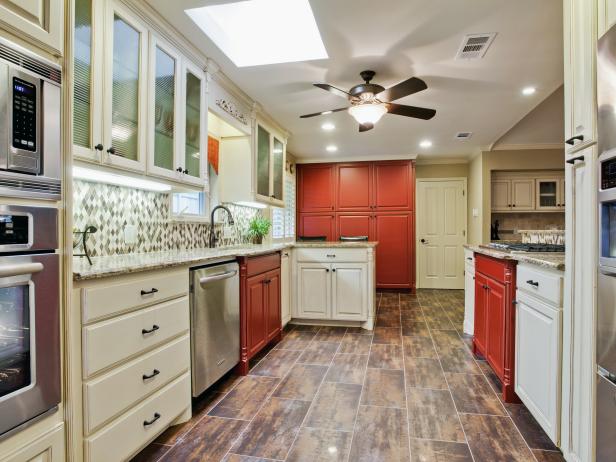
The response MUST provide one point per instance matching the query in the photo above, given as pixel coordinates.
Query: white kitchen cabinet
(285, 287)
(517, 192)
(501, 195)
(47, 448)
(549, 194)
(39, 21)
(523, 194)
(349, 298)
(606, 10)
(313, 291)
(469, 292)
(270, 153)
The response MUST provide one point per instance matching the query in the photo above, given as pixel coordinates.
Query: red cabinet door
(316, 186)
(311, 224)
(256, 315)
(355, 224)
(273, 304)
(394, 185)
(495, 326)
(354, 186)
(480, 326)
(394, 254)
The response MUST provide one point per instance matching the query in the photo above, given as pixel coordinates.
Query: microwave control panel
(14, 229)
(608, 174)
(24, 115)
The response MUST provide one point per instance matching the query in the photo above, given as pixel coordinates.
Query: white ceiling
(399, 39)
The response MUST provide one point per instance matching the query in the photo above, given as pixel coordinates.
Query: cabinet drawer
(540, 283)
(123, 437)
(332, 255)
(262, 264)
(469, 257)
(105, 300)
(121, 388)
(108, 342)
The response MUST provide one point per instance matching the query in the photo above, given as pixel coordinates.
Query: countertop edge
(555, 262)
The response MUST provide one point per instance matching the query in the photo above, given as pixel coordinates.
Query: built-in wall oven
(29, 316)
(30, 124)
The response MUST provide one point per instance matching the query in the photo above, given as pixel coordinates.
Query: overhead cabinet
(527, 194)
(270, 163)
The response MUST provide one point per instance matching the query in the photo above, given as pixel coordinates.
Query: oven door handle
(20, 269)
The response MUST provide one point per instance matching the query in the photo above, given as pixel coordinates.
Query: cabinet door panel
(495, 325)
(195, 144)
(316, 188)
(278, 155)
(394, 185)
(523, 192)
(354, 225)
(480, 325)
(273, 304)
(394, 255)
(316, 225)
(263, 161)
(354, 191)
(501, 195)
(349, 291)
(41, 20)
(313, 290)
(256, 314)
(548, 195)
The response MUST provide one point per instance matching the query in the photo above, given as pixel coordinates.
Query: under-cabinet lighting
(99, 176)
(258, 32)
(254, 205)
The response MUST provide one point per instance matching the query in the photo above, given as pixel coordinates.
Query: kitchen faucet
(213, 237)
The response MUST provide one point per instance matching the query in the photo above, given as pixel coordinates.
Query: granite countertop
(552, 260)
(116, 265)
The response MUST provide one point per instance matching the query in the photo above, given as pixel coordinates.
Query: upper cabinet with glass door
(270, 164)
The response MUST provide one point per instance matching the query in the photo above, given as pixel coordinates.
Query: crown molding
(442, 160)
(520, 147)
(323, 160)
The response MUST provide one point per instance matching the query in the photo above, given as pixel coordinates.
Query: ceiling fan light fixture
(369, 113)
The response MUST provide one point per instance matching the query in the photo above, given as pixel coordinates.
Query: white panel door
(441, 233)
(349, 291)
(313, 290)
(523, 194)
(501, 195)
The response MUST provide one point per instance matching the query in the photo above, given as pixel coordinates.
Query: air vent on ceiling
(463, 135)
(474, 46)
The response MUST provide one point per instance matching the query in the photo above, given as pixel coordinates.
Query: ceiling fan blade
(408, 87)
(365, 127)
(411, 111)
(305, 116)
(332, 89)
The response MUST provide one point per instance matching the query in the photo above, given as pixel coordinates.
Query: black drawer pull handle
(532, 283)
(149, 331)
(331, 255)
(575, 159)
(154, 373)
(571, 141)
(469, 258)
(147, 423)
(153, 290)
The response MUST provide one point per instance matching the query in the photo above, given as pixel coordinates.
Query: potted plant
(258, 227)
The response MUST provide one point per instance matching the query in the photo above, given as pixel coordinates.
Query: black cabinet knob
(179, 169)
(111, 150)
(186, 172)
(99, 147)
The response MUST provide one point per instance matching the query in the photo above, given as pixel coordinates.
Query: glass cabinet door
(263, 162)
(278, 169)
(547, 194)
(194, 133)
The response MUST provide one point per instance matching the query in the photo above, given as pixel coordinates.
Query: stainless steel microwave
(30, 124)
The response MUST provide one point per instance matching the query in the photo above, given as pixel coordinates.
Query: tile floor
(409, 391)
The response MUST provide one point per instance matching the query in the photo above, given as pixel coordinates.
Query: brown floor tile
(306, 328)
(384, 387)
(208, 441)
(439, 451)
(494, 438)
(438, 319)
(548, 456)
(295, 340)
(238, 458)
(320, 353)
(412, 316)
(245, 399)
(459, 360)
(419, 347)
(424, 373)
(335, 407)
(387, 335)
(530, 429)
(380, 435)
(276, 364)
(388, 320)
(355, 343)
(432, 415)
(151, 453)
(318, 445)
(493, 380)
(330, 334)
(302, 382)
(446, 341)
(473, 395)
(347, 369)
(385, 357)
(389, 309)
(413, 329)
(359, 330)
(227, 382)
(273, 430)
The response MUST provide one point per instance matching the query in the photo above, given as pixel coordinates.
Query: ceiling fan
(369, 101)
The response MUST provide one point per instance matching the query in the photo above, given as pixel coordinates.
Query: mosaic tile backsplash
(511, 223)
(111, 208)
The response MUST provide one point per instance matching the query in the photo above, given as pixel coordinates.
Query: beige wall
(441, 171)
(475, 199)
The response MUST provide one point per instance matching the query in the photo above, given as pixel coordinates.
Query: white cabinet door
(47, 448)
(523, 194)
(285, 288)
(469, 298)
(548, 194)
(537, 362)
(313, 290)
(607, 16)
(40, 20)
(562, 192)
(501, 195)
(349, 291)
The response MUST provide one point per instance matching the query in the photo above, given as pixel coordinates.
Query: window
(187, 205)
(283, 220)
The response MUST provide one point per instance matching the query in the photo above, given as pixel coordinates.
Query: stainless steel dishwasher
(214, 322)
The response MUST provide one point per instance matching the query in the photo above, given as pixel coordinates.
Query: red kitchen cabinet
(311, 224)
(355, 224)
(316, 187)
(494, 334)
(395, 256)
(394, 185)
(260, 316)
(354, 187)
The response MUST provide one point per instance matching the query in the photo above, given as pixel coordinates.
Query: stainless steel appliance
(214, 322)
(29, 316)
(30, 124)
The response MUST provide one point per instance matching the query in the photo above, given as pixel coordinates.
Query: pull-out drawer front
(111, 394)
(540, 283)
(332, 255)
(105, 300)
(124, 436)
(262, 264)
(469, 257)
(108, 342)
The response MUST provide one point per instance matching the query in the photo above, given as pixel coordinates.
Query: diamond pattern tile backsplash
(111, 208)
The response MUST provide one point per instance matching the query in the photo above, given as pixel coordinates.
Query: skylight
(258, 32)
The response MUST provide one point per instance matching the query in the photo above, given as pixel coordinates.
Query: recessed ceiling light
(328, 126)
(425, 144)
(331, 148)
(251, 33)
(527, 91)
